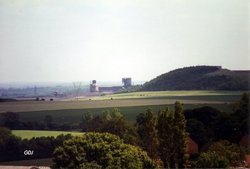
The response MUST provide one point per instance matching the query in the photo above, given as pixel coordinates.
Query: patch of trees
(199, 78)
(12, 121)
(207, 124)
(100, 150)
(112, 122)
(222, 154)
(13, 147)
(161, 135)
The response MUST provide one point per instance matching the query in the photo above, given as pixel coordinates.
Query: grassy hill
(199, 78)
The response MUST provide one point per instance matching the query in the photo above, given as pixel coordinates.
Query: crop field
(28, 134)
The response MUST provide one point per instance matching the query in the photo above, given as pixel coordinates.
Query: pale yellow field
(28, 134)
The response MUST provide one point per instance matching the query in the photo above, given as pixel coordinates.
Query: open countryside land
(126, 100)
(130, 104)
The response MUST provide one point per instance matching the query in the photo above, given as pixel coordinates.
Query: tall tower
(127, 82)
(35, 91)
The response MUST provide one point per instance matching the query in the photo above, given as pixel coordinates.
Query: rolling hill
(200, 78)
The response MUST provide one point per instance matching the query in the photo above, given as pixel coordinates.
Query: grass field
(28, 134)
(73, 116)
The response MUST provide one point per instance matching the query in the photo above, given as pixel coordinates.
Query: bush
(212, 160)
(234, 153)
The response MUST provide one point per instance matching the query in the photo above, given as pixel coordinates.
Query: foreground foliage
(212, 160)
(100, 150)
(232, 152)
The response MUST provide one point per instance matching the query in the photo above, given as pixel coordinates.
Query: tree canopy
(100, 150)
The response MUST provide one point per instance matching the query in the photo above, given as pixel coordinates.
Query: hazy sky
(80, 40)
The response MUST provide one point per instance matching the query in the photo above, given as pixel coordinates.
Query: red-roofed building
(247, 161)
(192, 147)
(245, 142)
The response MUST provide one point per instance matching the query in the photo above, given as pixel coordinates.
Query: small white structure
(94, 87)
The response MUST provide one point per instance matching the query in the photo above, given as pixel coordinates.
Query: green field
(28, 134)
(73, 116)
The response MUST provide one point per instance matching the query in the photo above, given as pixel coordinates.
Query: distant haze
(81, 40)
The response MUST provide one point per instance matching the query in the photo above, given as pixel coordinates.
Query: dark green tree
(146, 128)
(11, 120)
(111, 121)
(173, 137)
(241, 116)
(122, 128)
(48, 120)
(166, 138)
(180, 135)
(197, 131)
(10, 145)
(87, 118)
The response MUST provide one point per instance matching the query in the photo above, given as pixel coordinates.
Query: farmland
(70, 116)
(28, 134)
(179, 95)
(130, 104)
(126, 100)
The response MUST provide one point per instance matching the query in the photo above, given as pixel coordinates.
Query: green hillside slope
(200, 78)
